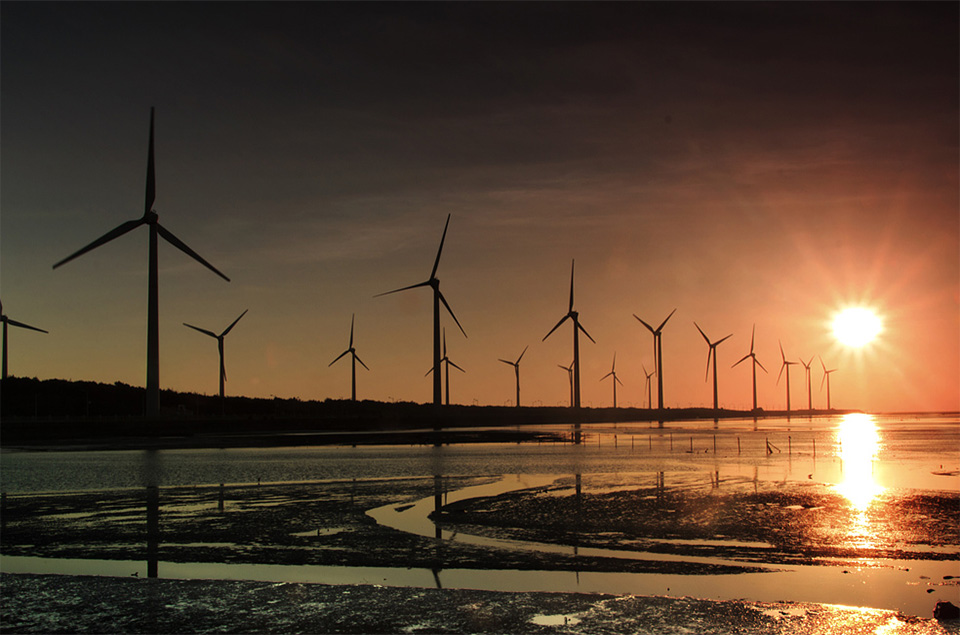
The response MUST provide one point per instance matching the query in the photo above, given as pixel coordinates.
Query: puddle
(555, 620)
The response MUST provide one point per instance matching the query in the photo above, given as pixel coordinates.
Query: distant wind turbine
(151, 220)
(569, 370)
(616, 380)
(575, 317)
(712, 352)
(447, 364)
(516, 367)
(434, 283)
(785, 365)
(648, 386)
(756, 363)
(353, 369)
(826, 378)
(219, 338)
(806, 368)
(658, 353)
(21, 325)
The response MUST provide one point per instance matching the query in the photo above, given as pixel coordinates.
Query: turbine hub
(151, 217)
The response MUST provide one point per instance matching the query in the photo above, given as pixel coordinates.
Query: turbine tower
(785, 365)
(649, 386)
(658, 353)
(447, 364)
(616, 380)
(151, 220)
(575, 317)
(712, 352)
(516, 367)
(6, 321)
(756, 363)
(806, 368)
(353, 369)
(569, 370)
(434, 283)
(219, 338)
(826, 378)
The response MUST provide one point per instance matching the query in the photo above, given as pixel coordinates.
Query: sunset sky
(759, 163)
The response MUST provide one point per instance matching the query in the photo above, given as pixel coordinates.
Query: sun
(856, 326)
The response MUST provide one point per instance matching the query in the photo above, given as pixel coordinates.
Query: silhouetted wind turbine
(785, 365)
(575, 317)
(447, 364)
(150, 219)
(434, 283)
(569, 370)
(648, 386)
(826, 378)
(806, 367)
(616, 380)
(712, 352)
(219, 338)
(353, 370)
(756, 363)
(7, 321)
(658, 353)
(516, 367)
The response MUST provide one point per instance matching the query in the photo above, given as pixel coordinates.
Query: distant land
(56, 412)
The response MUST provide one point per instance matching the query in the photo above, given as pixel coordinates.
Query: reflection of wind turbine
(516, 367)
(446, 367)
(6, 321)
(712, 352)
(616, 380)
(434, 283)
(575, 316)
(756, 363)
(786, 365)
(569, 370)
(219, 338)
(150, 219)
(826, 378)
(658, 353)
(806, 367)
(353, 369)
(649, 386)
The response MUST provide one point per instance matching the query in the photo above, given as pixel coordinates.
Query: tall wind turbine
(785, 365)
(756, 363)
(6, 321)
(616, 380)
(712, 352)
(151, 220)
(826, 378)
(658, 353)
(353, 370)
(219, 338)
(434, 283)
(806, 368)
(447, 364)
(648, 386)
(516, 367)
(575, 317)
(569, 370)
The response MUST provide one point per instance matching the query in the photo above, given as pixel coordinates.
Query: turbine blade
(572, 263)
(338, 358)
(110, 235)
(823, 380)
(664, 323)
(351, 329)
(752, 333)
(717, 343)
(450, 311)
(822, 365)
(357, 357)
(580, 326)
(234, 323)
(649, 328)
(151, 176)
(179, 244)
(564, 319)
(742, 359)
(607, 375)
(428, 372)
(506, 362)
(705, 338)
(782, 356)
(204, 331)
(412, 286)
(455, 366)
(521, 354)
(433, 274)
(617, 379)
(706, 375)
(759, 364)
(780, 374)
(24, 326)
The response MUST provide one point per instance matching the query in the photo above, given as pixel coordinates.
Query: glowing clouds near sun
(856, 326)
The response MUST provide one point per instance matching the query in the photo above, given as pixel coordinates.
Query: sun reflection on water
(859, 443)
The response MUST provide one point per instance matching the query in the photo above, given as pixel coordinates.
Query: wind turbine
(712, 352)
(447, 364)
(756, 363)
(785, 365)
(806, 367)
(616, 380)
(569, 370)
(658, 353)
(353, 369)
(575, 317)
(434, 283)
(516, 367)
(648, 386)
(151, 220)
(219, 338)
(826, 378)
(6, 321)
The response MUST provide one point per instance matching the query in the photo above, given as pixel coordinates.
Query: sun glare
(856, 326)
